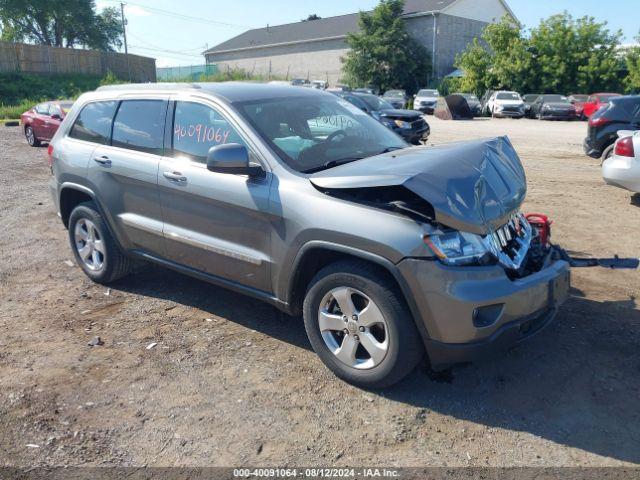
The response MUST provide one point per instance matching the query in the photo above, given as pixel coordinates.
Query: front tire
(359, 325)
(93, 246)
(30, 135)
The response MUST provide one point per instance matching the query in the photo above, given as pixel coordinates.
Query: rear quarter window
(93, 124)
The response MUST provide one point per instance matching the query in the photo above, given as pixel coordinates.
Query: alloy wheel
(89, 245)
(31, 137)
(353, 328)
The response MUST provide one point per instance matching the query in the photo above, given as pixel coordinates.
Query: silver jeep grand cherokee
(296, 197)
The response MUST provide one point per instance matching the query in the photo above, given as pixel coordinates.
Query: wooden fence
(22, 57)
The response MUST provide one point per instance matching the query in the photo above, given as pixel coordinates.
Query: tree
(561, 55)
(311, 18)
(383, 54)
(575, 55)
(632, 61)
(60, 23)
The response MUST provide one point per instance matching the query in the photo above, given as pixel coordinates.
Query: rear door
(217, 223)
(125, 173)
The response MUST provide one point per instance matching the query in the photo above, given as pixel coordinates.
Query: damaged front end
(469, 194)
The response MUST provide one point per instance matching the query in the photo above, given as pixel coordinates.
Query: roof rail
(149, 86)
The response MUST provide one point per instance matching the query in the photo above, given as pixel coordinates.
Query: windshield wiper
(332, 163)
(342, 161)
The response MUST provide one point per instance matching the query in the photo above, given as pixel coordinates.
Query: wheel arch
(315, 255)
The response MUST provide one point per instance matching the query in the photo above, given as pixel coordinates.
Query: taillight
(599, 121)
(50, 153)
(624, 147)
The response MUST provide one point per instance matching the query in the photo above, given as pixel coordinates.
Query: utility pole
(124, 34)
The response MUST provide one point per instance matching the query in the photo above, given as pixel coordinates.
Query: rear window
(94, 122)
(139, 125)
(554, 98)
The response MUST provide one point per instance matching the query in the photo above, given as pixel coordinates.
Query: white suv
(506, 104)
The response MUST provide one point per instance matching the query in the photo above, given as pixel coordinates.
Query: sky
(176, 32)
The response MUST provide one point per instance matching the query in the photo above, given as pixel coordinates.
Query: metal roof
(325, 28)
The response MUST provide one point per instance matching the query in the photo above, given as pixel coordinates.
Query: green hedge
(20, 91)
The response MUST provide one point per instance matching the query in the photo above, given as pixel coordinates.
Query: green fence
(185, 73)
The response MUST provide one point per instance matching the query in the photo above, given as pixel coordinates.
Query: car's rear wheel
(359, 326)
(31, 137)
(93, 246)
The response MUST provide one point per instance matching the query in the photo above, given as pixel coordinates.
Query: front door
(217, 223)
(126, 174)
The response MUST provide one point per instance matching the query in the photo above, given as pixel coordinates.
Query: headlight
(387, 123)
(402, 124)
(459, 248)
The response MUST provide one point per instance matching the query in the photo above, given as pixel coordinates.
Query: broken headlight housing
(460, 248)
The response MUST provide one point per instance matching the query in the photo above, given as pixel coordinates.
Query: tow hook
(542, 224)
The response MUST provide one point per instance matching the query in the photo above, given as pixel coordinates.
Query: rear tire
(30, 135)
(393, 339)
(94, 248)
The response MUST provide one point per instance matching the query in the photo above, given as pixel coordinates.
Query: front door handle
(103, 160)
(175, 176)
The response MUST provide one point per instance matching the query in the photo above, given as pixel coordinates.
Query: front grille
(418, 125)
(510, 242)
(511, 108)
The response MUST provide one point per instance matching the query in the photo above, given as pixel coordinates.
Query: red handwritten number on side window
(201, 133)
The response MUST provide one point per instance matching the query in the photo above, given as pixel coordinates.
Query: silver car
(298, 198)
(622, 168)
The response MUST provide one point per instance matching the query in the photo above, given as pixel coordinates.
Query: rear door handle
(104, 160)
(175, 176)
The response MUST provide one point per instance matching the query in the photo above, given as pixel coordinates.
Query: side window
(197, 128)
(94, 122)
(139, 125)
(42, 109)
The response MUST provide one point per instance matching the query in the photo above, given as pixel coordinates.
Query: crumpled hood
(472, 186)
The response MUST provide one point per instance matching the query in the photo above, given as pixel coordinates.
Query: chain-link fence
(185, 73)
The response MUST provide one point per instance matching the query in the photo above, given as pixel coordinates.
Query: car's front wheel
(30, 135)
(93, 246)
(359, 325)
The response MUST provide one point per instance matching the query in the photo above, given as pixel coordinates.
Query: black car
(409, 124)
(621, 113)
(528, 100)
(553, 107)
(397, 98)
(474, 104)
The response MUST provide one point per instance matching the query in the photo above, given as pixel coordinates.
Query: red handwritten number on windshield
(201, 133)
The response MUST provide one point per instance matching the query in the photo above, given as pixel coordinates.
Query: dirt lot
(233, 382)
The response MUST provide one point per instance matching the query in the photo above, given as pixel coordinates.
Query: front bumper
(473, 312)
(414, 137)
(428, 109)
(558, 116)
(509, 114)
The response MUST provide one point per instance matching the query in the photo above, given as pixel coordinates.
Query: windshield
(554, 98)
(580, 98)
(470, 96)
(531, 97)
(394, 93)
(508, 96)
(376, 103)
(428, 93)
(314, 133)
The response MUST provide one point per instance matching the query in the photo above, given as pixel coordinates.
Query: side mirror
(56, 116)
(232, 158)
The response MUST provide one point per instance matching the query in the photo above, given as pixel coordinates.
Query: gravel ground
(233, 382)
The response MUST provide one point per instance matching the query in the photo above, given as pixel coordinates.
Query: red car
(597, 100)
(42, 121)
(578, 100)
